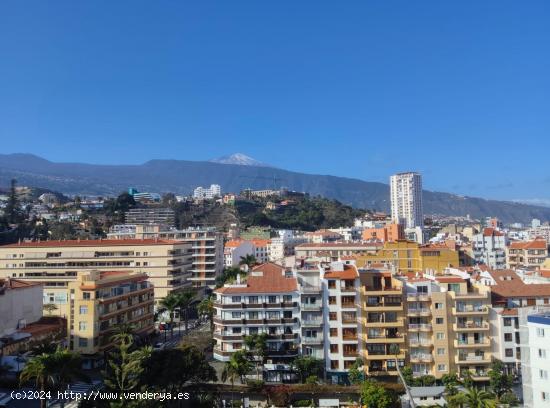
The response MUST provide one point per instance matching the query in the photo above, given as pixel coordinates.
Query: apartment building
(489, 248)
(526, 254)
(505, 335)
(333, 251)
(341, 329)
(207, 193)
(408, 256)
(382, 322)
(261, 249)
(323, 236)
(206, 248)
(236, 249)
(102, 300)
(20, 304)
(406, 199)
(57, 263)
(150, 215)
(383, 233)
(267, 300)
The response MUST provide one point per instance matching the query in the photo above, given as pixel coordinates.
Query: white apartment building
(489, 248)
(207, 193)
(235, 249)
(266, 301)
(535, 361)
(406, 199)
(540, 231)
(311, 307)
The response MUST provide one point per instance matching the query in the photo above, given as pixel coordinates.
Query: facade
(206, 248)
(323, 236)
(57, 263)
(266, 301)
(329, 252)
(539, 231)
(150, 215)
(99, 302)
(489, 248)
(20, 304)
(389, 232)
(235, 249)
(207, 193)
(530, 254)
(406, 199)
(261, 249)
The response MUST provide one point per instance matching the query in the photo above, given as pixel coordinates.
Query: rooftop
(265, 278)
(508, 284)
(91, 243)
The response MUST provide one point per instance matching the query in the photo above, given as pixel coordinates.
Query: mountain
(240, 159)
(181, 176)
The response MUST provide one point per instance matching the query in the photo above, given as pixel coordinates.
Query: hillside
(181, 177)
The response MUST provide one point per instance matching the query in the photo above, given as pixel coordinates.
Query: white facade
(505, 338)
(536, 360)
(489, 248)
(208, 193)
(20, 304)
(232, 253)
(406, 199)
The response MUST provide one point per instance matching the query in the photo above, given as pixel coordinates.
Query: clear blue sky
(457, 90)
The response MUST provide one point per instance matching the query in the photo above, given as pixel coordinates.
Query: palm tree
(170, 304)
(53, 371)
(257, 345)
(248, 260)
(185, 299)
(230, 373)
(206, 308)
(123, 332)
(394, 349)
(476, 398)
(50, 308)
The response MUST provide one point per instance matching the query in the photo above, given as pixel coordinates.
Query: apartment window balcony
(312, 339)
(312, 322)
(311, 306)
(420, 327)
(421, 358)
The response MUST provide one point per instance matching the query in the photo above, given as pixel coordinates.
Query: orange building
(387, 233)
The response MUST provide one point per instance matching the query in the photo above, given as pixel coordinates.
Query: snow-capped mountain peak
(240, 159)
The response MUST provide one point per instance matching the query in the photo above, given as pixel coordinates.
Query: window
(544, 396)
(333, 316)
(253, 330)
(82, 326)
(334, 348)
(508, 321)
(438, 306)
(253, 300)
(83, 310)
(86, 295)
(236, 330)
(440, 336)
(509, 352)
(543, 374)
(334, 364)
(235, 299)
(237, 346)
(542, 353)
(440, 351)
(236, 315)
(145, 263)
(332, 284)
(332, 300)
(253, 315)
(508, 337)
(439, 320)
(540, 332)
(441, 367)
(272, 299)
(333, 332)
(82, 342)
(287, 298)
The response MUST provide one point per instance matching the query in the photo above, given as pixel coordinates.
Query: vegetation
(306, 366)
(499, 383)
(373, 395)
(248, 260)
(49, 308)
(206, 308)
(256, 345)
(356, 373)
(472, 398)
(228, 275)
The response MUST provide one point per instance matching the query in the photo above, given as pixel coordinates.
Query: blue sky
(457, 90)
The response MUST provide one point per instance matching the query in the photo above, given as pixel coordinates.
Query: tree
(356, 373)
(206, 308)
(509, 398)
(43, 347)
(237, 367)
(473, 398)
(451, 382)
(499, 383)
(256, 344)
(306, 366)
(228, 275)
(49, 308)
(184, 301)
(53, 372)
(374, 395)
(12, 209)
(170, 303)
(124, 332)
(248, 260)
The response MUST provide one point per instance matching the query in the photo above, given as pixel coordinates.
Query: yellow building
(101, 301)
(167, 263)
(407, 256)
(382, 322)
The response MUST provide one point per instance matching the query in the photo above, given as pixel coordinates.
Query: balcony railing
(420, 326)
(312, 340)
(312, 322)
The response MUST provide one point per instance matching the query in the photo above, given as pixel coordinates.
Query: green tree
(170, 303)
(184, 301)
(228, 274)
(206, 308)
(473, 398)
(248, 260)
(306, 366)
(356, 373)
(12, 209)
(237, 367)
(373, 395)
(49, 308)
(451, 382)
(499, 382)
(509, 398)
(256, 344)
(53, 372)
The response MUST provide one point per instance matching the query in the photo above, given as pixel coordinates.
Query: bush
(312, 379)
(255, 385)
(303, 403)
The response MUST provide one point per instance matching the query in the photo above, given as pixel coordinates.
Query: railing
(420, 326)
(471, 309)
(421, 357)
(312, 340)
(311, 289)
(469, 357)
(419, 310)
(420, 342)
(312, 322)
(472, 325)
(310, 306)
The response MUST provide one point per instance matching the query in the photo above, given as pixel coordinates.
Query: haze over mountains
(181, 176)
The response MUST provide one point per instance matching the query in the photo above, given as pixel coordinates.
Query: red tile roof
(234, 243)
(340, 245)
(349, 272)
(488, 232)
(509, 285)
(535, 244)
(11, 283)
(272, 280)
(449, 279)
(91, 242)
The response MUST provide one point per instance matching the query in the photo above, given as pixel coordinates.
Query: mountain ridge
(182, 176)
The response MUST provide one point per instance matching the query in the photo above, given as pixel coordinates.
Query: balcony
(348, 305)
(384, 307)
(311, 306)
(425, 312)
(312, 340)
(311, 289)
(383, 338)
(472, 344)
(228, 305)
(223, 353)
(351, 353)
(382, 290)
(349, 336)
(472, 359)
(312, 322)
(349, 320)
(391, 323)
(282, 353)
(470, 327)
(228, 337)
(420, 327)
(420, 342)
(418, 297)
(421, 358)
(383, 355)
(470, 310)
(471, 295)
